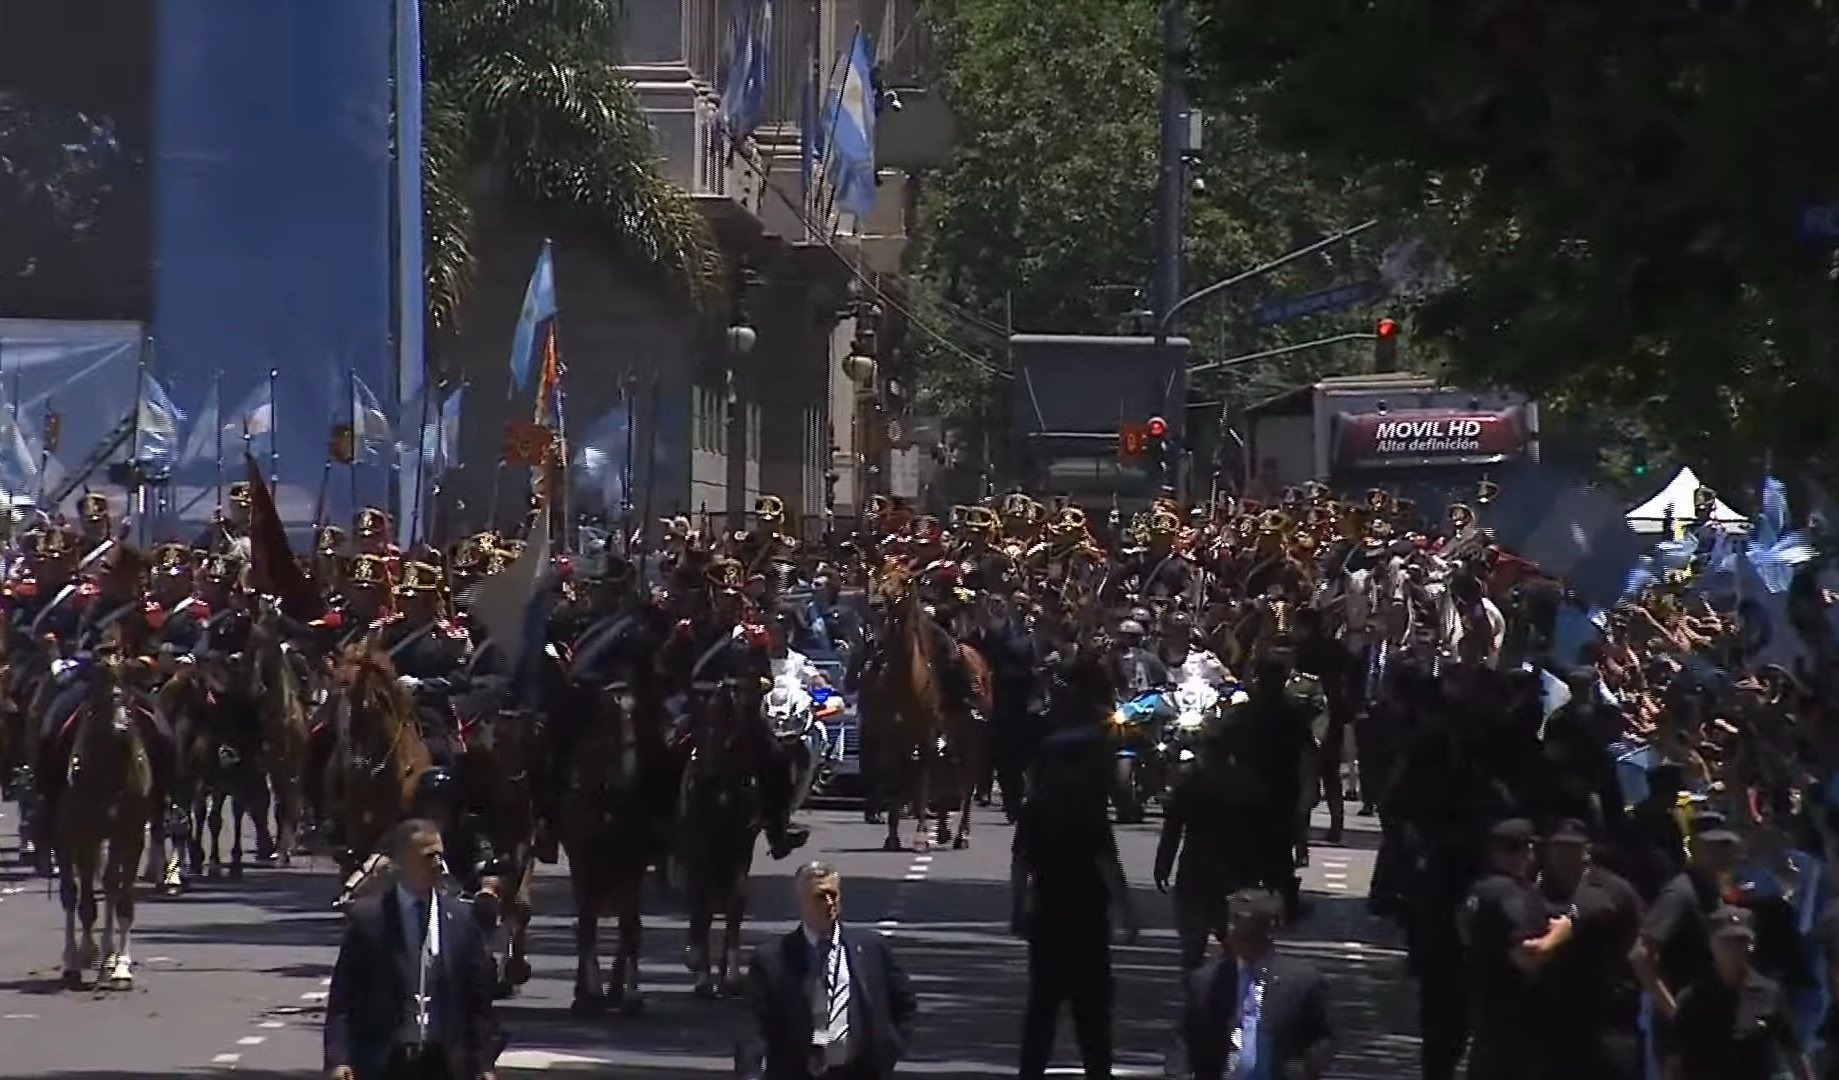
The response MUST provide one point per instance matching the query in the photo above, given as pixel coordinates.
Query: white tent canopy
(1676, 498)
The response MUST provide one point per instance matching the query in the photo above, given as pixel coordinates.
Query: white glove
(408, 682)
(63, 666)
(187, 658)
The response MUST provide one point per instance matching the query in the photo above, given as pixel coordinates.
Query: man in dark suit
(826, 1000)
(1254, 1011)
(411, 992)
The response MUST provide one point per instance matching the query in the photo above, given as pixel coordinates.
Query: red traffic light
(1386, 328)
(1157, 427)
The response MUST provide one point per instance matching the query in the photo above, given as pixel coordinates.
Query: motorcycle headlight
(1185, 756)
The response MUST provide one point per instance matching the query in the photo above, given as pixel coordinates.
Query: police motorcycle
(1136, 724)
(797, 716)
(1196, 706)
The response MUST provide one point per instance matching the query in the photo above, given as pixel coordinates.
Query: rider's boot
(783, 836)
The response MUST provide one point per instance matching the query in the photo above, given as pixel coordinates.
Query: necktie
(1245, 1030)
(830, 1001)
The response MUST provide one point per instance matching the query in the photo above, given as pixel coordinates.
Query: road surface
(232, 976)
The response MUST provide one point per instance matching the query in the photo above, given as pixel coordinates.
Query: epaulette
(154, 613)
(88, 590)
(755, 635)
(333, 619)
(392, 617)
(453, 629)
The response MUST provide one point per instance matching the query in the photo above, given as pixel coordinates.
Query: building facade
(711, 427)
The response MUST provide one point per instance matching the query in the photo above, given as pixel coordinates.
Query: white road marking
(226, 1059)
(922, 858)
(313, 995)
(327, 981)
(19, 1016)
(914, 877)
(271, 1024)
(252, 1040)
(544, 1059)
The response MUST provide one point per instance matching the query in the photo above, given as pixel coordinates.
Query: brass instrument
(1485, 491)
(1273, 522)
(1460, 515)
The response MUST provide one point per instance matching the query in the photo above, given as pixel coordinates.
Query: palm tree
(532, 88)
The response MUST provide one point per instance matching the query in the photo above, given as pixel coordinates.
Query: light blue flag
(156, 428)
(370, 425)
(447, 447)
(849, 132)
(750, 28)
(539, 307)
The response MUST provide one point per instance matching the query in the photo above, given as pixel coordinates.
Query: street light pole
(1171, 197)
(1166, 319)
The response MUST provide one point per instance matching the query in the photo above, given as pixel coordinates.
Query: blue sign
(1820, 222)
(1285, 308)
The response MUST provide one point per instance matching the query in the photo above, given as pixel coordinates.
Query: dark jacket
(375, 976)
(1293, 1021)
(881, 1008)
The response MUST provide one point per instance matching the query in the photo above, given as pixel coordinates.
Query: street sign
(1285, 308)
(1820, 222)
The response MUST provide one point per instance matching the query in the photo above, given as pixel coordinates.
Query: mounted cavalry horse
(927, 736)
(379, 754)
(101, 822)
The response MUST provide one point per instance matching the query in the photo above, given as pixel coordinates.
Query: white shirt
(796, 668)
(1203, 666)
(422, 950)
(830, 1036)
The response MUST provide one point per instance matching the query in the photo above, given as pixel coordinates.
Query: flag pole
(421, 465)
(274, 430)
(631, 386)
(351, 466)
(134, 489)
(217, 396)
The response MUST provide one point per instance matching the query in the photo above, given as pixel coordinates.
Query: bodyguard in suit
(411, 993)
(1255, 1012)
(826, 1000)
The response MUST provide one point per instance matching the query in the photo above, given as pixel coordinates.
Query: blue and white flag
(156, 427)
(844, 167)
(371, 433)
(539, 308)
(201, 442)
(750, 32)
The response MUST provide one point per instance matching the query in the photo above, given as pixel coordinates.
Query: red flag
(272, 566)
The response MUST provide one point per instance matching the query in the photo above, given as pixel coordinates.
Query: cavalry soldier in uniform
(97, 523)
(373, 527)
(176, 592)
(765, 553)
(228, 531)
(329, 563)
(725, 644)
(984, 568)
(429, 652)
(1158, 569)
(114, 614)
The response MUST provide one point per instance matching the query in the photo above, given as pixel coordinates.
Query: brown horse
(718, 827)
(609, 828)
(283, 705)
(380, 753)
(100, 830)
(917, 736)
(496, 753)
(220, 761)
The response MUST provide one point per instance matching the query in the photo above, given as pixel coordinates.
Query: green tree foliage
(1617, 187)
(1045, 213)
(532, 89)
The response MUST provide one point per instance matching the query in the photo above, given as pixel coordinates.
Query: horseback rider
(115, 615)
(176, 591)
(97, 523)
(228, 531)
(725, 644)
(621, 632)
(429, 652)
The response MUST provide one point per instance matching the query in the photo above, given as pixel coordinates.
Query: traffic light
(1157, 429)
(1385, 346)
(1637, 458)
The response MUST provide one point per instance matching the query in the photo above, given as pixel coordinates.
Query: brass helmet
(1379, 501)
(769, 509)
(418, 578)
(369, 572)
(1461, 515)
(927, 530)
(329, 540)
(1704, 499)
(239, 494)
(876, 505)
(1314, 491)
(979, 521)
(372, 522)
(54, 542)
(1071, 519)
(725, 576)
(473, 554)
(172, 560)
(1273, 521)
(94, 508)
(1162, 524)
(1292, 497)
(222, 569)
